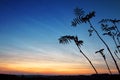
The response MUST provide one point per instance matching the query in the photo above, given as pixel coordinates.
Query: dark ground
(74, 77)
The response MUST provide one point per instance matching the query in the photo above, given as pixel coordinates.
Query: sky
(29, 32)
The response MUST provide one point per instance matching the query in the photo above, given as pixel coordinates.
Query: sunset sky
(29, 32)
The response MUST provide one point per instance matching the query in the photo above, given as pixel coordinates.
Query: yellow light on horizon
(50, 68)
(45, 68)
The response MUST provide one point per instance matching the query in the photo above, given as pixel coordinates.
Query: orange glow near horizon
(46, 69)
(50, 64)
(43, 68)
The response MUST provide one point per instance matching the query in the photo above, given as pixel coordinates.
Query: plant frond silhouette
(109, 20)
(103, 55)
(87, 19)
(82, 18)
(79, 12)
(67, 39)
(113, 21)
(111, 31)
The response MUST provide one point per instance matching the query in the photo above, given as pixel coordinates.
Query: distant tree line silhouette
(109, 28)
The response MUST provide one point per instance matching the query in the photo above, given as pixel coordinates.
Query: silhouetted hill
(74, 77)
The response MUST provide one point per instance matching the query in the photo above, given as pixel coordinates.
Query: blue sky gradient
(29, 32)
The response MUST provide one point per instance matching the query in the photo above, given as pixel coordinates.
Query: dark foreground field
(42, 77)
